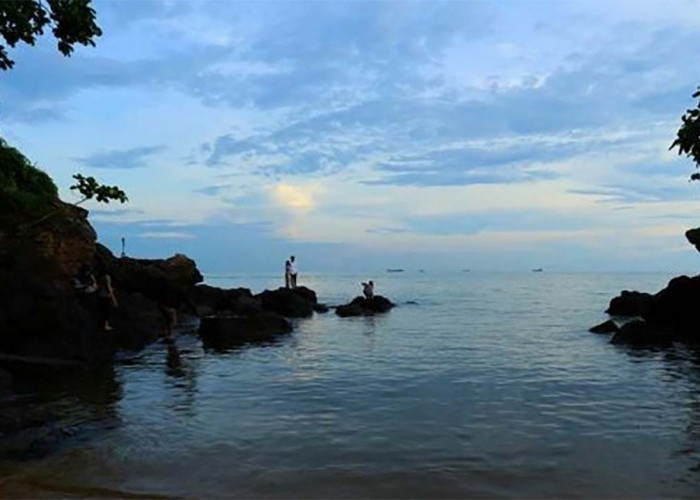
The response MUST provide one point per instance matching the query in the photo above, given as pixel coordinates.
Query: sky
(363, 135)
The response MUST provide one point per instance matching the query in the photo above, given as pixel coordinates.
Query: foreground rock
(608, 326)
(223, 331)
(361, 306)
(629, 304)
(640, 333)
(667, 316)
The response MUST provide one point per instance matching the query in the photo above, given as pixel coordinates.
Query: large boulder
(676, 308)
(641, 333)
(361, 306)
(208, 300)
(291, 303)
(629, 304)
(223, 331)
(166, 281)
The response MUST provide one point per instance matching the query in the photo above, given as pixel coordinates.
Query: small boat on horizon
(537, 270)
(394, 270)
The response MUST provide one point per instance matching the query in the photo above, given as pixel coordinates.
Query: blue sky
(363, 135)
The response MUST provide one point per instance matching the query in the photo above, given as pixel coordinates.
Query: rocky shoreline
(48, 328)
(660, 319)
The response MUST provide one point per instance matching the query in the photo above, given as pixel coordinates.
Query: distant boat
(421, 270)
(537, 270)
(466, 270)
(394, 270)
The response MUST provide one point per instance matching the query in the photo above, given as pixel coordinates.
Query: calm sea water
(488, 386)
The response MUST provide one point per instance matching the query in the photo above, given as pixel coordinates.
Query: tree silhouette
(71, 21)
(688, 136)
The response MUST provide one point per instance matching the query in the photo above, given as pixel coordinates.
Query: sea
(477, 385)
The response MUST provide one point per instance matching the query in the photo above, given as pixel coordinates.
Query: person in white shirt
(292, 272)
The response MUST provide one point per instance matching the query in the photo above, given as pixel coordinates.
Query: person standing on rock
(105, 294)
(287, 273)
(292, 272)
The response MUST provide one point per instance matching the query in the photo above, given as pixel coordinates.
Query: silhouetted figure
(368, 289)
(105, 294)
(123, 247)
(287, 273)
(292, 272)
(85, 281)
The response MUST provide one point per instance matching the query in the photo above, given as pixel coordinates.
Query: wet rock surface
(608, 326)
(223, 331)
(361, 306)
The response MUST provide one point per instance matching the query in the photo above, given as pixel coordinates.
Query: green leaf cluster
(71, 22)
(90, 188)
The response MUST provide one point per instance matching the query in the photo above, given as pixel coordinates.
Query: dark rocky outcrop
(608, 326)
(361, 306)
(223, 331)
(667, 316)
(208, 300)
(292, 303)
(693, 236)
(629, 304)
(641, 333)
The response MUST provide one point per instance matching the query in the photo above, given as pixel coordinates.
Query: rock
(292, 303)
(608, 326)
(5, 382)
(166, 281)
(629, 304)
(208, 300)
(320, 308)
(224, 331)
(693, 236)
(675, 308)
(361, 306)
(641, 333)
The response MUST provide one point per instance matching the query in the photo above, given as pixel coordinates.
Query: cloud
(121, 159)
(294, 197)
(166, 235)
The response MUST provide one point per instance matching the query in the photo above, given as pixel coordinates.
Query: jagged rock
(693, 236)
(208, 300)
(292, 303)
(223, 331)
(641, 333)
(629, 304)
(676, 308)
(162, 280)
(361, 306)
(608, 326)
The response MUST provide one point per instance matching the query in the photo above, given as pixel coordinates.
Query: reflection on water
(488, 386)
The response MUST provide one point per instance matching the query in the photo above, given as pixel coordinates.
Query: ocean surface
(477, 385)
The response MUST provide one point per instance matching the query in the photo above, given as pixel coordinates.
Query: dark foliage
(71, 22)
(688, 136)
(90, 188)
(24, 189)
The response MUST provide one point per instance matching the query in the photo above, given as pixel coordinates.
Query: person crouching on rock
(368, 289)
(105, 294)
